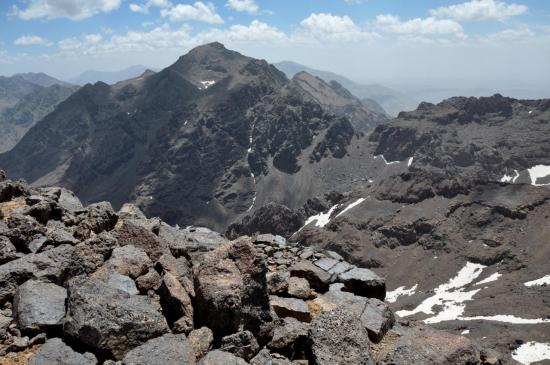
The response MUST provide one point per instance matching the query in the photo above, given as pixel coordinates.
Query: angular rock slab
(318, 278)
(290, 307)
(378, 318)
(338, 338)
(166, 350)
(39, 305)
(218, 357)
(290, 338)
(364, 282)
(55, 351)
(108, 319)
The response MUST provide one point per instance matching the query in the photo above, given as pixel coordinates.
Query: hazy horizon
(488, 45)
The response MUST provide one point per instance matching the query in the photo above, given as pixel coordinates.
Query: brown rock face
(231, 289)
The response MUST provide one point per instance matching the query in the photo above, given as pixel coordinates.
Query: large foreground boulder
(338, 338)
(111, 320)
(218, 357)
(55, 351)
(231, 289)
(39, 305)
(166, 350)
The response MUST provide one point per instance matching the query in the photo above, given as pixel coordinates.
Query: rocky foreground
(88, 285)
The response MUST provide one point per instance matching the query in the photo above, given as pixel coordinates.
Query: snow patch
(206, 84)
(531, 352)
(351, 206)
(449, 296)
(545, 280)
(385, 161)
(537, 172)
(506, 318)
(465, 332)
(392, 296)
(409, 163)
(321, 219)
(491, 278)
(509, 178)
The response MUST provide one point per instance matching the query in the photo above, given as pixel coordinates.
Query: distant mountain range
(24, 100)
(108, 77)
(200, 142)
(392, 101)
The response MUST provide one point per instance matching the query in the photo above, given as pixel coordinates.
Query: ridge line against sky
(372, 40)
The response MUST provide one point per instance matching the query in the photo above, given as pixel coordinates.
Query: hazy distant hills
(108, 77)
(391, 100)
(24, 100)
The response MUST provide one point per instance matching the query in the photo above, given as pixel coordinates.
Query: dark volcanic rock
(167, 350)
(231, 289)
(270, 218)
(218, 357)
(39, 305)
(242, 344)
(108, 319)
(318, 278)
(54, 351)
(337, 337)
(364, 282)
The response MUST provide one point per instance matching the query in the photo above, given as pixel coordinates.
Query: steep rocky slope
(463, 249)
(16, 120)
(334, 98)
(86, 285)
(484, 138)
(390, 100)
(200, 142)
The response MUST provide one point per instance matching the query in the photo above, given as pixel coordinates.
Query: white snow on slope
(385, 161)
(409, 163)
(491, 278)
(450, 296)
(531, 352)
(539, 171)
(510, 178)
(506, 318)
(545, 280)
(206, 84)
(351, 206)
(320, 219)
(392, 296)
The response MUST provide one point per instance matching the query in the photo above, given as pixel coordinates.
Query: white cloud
(199, 11)
(32, 40)
(419, 26)
(144, 8)
(508, 35)
(328, 27)
(257, 31)
(477, 10)
(248, 6)
(71, 9)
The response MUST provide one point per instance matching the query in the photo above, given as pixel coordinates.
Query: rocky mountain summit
(200, 142)
(88, 285)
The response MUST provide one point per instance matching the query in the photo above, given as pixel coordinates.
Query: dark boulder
(168, 349)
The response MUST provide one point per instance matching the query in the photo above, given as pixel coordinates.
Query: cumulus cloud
(199, 11)
(508, 35)
(248, 6)
(71, 9)
(144, 8)
(32, 40)
(257, 32)
(328, 27)
(478, 10)
(419, 26)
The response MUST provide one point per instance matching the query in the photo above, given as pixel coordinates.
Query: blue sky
(369, 40)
